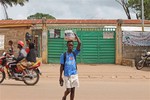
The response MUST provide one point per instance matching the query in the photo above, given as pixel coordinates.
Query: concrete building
(101, 39)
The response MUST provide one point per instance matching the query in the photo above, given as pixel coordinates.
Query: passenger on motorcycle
(21, 56)
(31, 56)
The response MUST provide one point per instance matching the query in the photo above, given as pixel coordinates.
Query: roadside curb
(102, 77)
(99, 71)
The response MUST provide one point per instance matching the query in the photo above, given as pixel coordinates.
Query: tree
(6, 3)
(136, 5)
(40, 16)
(124, 4)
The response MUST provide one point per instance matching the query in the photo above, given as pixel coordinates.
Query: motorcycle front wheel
(2, 76)
(140, 65)
(31, 78)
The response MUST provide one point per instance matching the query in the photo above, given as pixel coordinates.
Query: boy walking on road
(68, 65)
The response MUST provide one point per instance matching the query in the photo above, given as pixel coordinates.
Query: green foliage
(40, 16)
(20, 2)
(10, 3)
(6, 3)
(136, 5)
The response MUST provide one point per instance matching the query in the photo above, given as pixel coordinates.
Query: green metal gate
(98, 46)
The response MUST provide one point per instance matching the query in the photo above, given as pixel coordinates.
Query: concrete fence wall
(134, 52)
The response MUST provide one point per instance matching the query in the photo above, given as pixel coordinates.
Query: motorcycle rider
(21, 56)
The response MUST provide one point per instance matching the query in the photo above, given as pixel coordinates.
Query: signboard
(1, 42)
(54, 33)
(108, 35)
(51, 33)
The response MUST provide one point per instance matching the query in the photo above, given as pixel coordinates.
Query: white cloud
(69, 9)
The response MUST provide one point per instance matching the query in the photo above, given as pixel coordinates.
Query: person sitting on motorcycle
(21, 56)
(31, 56)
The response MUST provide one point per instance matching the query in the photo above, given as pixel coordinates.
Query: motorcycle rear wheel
(140, 65)
(32, 78)
(2, 76)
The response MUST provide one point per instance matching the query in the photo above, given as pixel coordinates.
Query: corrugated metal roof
(70, 21)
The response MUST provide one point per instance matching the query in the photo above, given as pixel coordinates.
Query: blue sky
(69, 9)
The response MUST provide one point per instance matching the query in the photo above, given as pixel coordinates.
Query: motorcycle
(144, 62)
(29, 75)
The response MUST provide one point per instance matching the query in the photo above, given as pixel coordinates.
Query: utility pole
(142, 16)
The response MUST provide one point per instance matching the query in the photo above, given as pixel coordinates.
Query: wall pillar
(44, 41)
(119, 42)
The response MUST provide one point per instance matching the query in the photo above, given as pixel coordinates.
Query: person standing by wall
(69, 67)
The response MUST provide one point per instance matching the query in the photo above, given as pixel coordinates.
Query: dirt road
(97, 82)
(90, 89)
